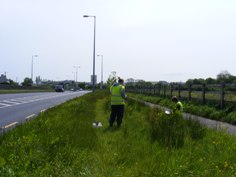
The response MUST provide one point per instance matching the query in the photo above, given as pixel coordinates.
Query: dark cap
(174, 98)
(120, 80)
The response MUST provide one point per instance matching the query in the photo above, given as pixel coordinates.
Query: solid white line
(4, 104)
(19, 101)
(43, 110)
(30, 116)
(9, 125)
(11, 102)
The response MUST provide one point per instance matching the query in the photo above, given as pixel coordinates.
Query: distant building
(3, 78)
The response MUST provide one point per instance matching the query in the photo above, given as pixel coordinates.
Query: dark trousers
(117, 112)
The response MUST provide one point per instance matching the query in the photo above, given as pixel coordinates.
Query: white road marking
(9, 125)
(43, 110)
(29, 117)
(29, 99)
(11, 102)
(4, 104)
(17, 100)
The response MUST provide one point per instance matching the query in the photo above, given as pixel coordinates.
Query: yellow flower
(226, 164)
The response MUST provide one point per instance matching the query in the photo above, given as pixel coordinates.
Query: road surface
(17, 108)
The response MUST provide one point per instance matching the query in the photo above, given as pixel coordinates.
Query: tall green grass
(62, 142)
(225, 115)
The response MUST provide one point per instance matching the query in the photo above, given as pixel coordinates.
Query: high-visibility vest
(116, 98)
(180, 106)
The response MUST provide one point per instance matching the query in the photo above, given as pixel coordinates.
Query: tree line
(223, 77)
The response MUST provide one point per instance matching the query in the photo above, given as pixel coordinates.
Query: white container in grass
(97, 124)
(167, 112)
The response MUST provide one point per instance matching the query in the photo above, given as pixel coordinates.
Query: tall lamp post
(74, 75)
(76, 67)
(32, 66)
(93, 77)
(101, 71)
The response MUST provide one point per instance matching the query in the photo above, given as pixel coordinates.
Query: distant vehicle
(81, 89)
(73, 89)
(59, 88)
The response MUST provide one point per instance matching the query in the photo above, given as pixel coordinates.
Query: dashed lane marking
(10, 125)
(30, 116)
(43, 110)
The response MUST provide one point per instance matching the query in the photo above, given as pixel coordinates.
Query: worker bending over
(178, 104)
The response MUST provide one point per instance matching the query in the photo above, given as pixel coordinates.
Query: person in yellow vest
(178, 105)
(118, 97)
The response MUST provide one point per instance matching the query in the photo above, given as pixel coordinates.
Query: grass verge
(62, 142)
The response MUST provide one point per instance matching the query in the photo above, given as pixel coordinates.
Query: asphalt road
(18, 108)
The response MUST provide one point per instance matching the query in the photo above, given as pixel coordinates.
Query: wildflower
(226, 164)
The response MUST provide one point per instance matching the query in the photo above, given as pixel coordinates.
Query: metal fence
(220, 95)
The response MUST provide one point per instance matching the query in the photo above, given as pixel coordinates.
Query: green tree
(210, 80)
(27, 82)
(189, 82)
(198, 81)
(112, 79)
(224, 77)
(82, 85)
(11, 82)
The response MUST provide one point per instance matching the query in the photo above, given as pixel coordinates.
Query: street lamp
(101, 71)
(32, 65)
(76, 67)
(94, 17)
(74, 75)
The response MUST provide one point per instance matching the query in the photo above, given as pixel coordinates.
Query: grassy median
(63, 142)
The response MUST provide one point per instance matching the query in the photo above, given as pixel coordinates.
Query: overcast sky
(172, 40)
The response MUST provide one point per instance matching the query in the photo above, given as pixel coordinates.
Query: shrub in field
(231, 118)
(169, 130)
(166, 102)
(195, 129)
(205, 111)
(154, 100)
(217, 115)
(172, 130)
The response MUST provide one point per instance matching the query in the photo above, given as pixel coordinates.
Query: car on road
(59, 88)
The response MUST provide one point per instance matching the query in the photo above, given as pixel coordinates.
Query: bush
(169, 130)
(217, 115)
(195, 129)
(231, 118)
(205, 111)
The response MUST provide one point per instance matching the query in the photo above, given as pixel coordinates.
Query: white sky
(172, 40)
